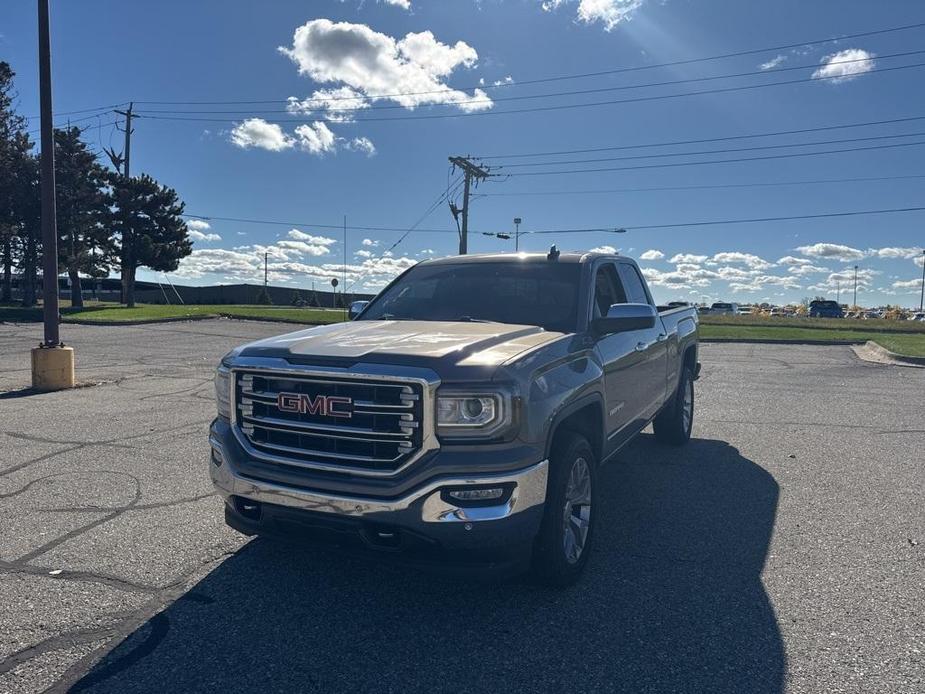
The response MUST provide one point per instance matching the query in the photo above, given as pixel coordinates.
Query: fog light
(217, 458)
(476, 494)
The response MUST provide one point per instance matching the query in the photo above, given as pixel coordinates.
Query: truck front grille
(348, 424)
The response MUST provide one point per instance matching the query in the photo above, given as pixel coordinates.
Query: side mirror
(622, 318)
(356, 308)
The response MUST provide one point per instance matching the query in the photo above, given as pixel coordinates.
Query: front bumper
(421, 524)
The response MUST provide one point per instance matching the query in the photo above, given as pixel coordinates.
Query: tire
(673, 424)
(562, 547)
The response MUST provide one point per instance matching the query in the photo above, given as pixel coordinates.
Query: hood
(460, 343)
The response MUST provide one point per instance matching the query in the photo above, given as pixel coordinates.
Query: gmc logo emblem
(325, 405)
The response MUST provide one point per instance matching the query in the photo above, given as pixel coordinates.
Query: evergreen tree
(146, 217)
(84, 243)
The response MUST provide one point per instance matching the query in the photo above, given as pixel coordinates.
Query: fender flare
(594, 398)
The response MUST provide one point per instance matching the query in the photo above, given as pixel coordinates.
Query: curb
(771, 341)
(149, 321)
(902, 359)
(180, 319)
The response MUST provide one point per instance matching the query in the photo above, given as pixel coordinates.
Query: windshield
(542, 294)
(722, 306)
(825, 304)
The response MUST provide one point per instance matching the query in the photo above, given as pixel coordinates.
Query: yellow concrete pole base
(53, 368)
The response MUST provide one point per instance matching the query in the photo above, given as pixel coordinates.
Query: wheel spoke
(577, 510)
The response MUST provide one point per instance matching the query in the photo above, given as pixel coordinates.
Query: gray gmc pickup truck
(462, 417)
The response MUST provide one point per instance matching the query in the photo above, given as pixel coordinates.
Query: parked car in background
(825, 309)
(721, 308)
(776, 313)
(703, 310)
(918, 316)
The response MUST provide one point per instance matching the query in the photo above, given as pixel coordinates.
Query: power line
(523, 97)
(754, 220)
(863, 179)
(671, 143)
(541, 109)
(662, 155)
(558, 78)
(83, 110)
(629, 227)
(713, 161)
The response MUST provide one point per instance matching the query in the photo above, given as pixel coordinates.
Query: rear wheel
(674, 423)
(563, 544)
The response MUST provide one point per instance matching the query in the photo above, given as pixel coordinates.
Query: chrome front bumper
(425, 504)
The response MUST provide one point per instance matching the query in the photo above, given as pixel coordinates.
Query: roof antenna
(553, 253)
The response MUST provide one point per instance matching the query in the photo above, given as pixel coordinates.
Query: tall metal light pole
(517, 221)
(837, 291)
(922, 296)
(855, 285)
(52, 362)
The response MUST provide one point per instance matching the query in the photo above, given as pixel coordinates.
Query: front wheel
(674, 423)
(564, 541)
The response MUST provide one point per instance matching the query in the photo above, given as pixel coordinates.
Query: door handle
(661, 337)
(643, 346)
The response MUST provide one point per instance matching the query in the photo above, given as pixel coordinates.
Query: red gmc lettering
(327, 406)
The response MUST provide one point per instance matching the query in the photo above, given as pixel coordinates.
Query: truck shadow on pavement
(672, 601)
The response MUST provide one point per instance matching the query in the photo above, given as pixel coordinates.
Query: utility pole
(855, 285)
(123, 161)
(837, 291)
(517, 221)
(52, 362)
(265, 270)
(470, 171)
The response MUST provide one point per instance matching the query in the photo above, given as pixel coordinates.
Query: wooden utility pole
(123, 162)
(470, 171)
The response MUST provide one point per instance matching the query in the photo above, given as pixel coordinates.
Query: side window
(607, 290)
(635, 289)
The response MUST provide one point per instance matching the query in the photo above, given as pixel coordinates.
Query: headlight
(223, 392)
(472, 414)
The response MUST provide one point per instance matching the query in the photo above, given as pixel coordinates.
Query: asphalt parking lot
(782, 550)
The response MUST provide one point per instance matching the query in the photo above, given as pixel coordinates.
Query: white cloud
(370, 242)
(920, 261)
(304, 248)
(316, 138)
(361, 144)
(610, 250)
(914, 286)
(894, 252)
(652, 254)
(790, 260)
(256, 132)
(687, 258)
(748, 259)
(297, 235)
(773, 62)
(608, 12)
(404, 4)
(338, 104)
(810, 269)
(408, 71)
(363, 254)
(831, 250)
(200, 236)
(845, 65)
(198, 224)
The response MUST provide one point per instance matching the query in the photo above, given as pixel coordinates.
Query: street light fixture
(517, 221)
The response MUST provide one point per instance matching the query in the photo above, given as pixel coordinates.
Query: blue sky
(311, 162)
